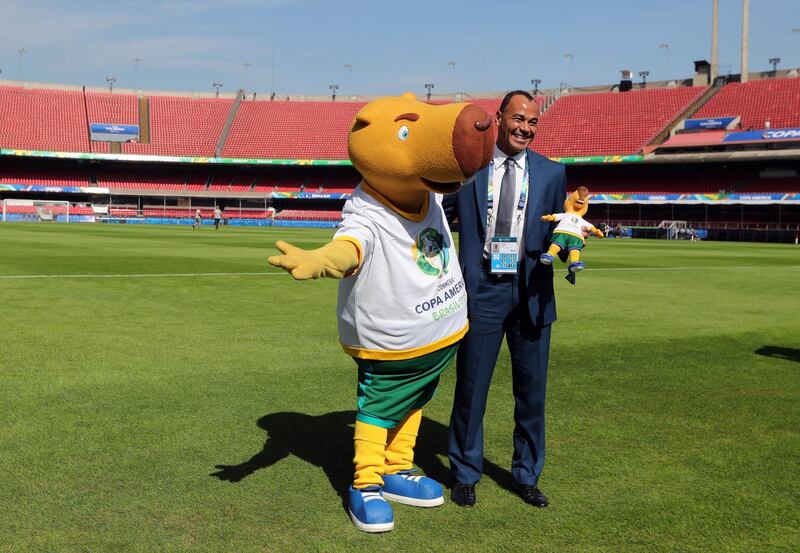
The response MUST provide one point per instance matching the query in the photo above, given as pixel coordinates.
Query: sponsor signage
(694, 198)
(600, 159)
(779, 134)
(173, 159)
(708, 124)
(763, 134)
(104, 132)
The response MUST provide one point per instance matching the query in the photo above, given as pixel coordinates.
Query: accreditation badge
(504, 255)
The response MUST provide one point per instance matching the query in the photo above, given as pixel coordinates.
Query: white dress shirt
(517, 222)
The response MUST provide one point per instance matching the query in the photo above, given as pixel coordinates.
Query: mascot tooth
(402, 304)
(568, 234)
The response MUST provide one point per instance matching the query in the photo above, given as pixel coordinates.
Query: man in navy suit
(510, 294)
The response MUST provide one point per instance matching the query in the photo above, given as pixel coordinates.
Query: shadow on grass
(789, 354)
(326, 441)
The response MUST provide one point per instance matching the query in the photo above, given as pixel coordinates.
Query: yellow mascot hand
(548, 218)
(597, 232)
(335, 259)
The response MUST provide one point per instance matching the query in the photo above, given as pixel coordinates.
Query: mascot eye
(402, 132)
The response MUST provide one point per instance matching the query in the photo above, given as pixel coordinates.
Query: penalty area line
(142, 275)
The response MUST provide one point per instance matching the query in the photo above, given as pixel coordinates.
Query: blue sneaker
(369, 511)
(546, 259)
(410, 488)
(576, 267)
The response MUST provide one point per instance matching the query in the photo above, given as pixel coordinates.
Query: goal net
(36, 210)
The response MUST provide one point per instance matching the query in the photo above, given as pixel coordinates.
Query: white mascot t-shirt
(407, 297)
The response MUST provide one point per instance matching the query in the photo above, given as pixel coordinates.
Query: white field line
(695, 267)
(183, 275)
(143, 275)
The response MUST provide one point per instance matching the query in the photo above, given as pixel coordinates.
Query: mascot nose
(472, 140)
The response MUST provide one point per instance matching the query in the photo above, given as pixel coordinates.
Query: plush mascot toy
(568, 234)
(402, 303)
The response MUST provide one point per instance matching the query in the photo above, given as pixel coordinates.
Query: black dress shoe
(531, 495)
(463, 495)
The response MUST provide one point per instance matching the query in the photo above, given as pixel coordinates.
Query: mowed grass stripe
(168, 275)
(215, 414)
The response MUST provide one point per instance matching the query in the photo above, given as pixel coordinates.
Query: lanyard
(523, 194)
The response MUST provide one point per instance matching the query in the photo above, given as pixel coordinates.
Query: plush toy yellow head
(577, 202)
(405, 148)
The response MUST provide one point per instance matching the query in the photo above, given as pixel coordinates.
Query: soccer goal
(36, 210)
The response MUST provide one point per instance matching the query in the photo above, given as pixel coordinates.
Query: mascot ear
(362, 120)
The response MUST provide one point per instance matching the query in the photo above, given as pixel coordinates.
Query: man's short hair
(507, 98)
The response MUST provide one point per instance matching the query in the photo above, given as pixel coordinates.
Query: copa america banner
(763, 134)
(104, 132)
(708, 124)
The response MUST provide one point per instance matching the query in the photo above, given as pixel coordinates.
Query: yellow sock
(574, 256)
(370, 455)
(554, 249)
(401, 441)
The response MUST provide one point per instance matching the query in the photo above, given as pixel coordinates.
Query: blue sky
(302, 46)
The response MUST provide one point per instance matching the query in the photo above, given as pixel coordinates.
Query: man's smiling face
(516, 125)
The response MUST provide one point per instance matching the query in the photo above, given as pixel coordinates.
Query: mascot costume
(568, 235)
(402, 303)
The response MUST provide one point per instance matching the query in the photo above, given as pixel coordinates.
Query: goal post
(23, 210)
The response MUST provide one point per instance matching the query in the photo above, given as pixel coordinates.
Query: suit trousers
(499, 312)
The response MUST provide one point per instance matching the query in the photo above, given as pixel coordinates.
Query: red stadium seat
(39, 119)
(773, 100)
(291, 130)
(609, 123)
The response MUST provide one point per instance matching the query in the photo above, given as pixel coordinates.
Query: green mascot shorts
(567, 241)
(389, 390)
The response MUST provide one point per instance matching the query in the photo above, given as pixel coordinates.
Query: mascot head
(402, 146)
(577, 202)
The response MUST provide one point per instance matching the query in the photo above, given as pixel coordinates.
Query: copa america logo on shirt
(430, 252)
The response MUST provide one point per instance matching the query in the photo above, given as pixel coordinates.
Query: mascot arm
(336, 259)
(548, 218)
(597, 232)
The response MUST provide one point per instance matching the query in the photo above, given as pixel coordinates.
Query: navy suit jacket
(546, 194)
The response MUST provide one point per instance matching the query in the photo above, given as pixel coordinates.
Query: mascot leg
(370, 446)
(400, 446)
(552, 252)
(575, 263)
(369, 511)
(401, 483)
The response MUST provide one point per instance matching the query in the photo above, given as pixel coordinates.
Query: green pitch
(211, 412)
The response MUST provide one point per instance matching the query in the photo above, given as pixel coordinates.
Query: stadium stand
(116, 109)
(609, 123)
(144, 179)
(231, 180)
(266, 182)
(54, 209)
(44, 176)
(343, 181)
(39, 119)
(771, 185)
(181, 126)
(667, 184)
(291, 130)
(308, 215)
(773, 100)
